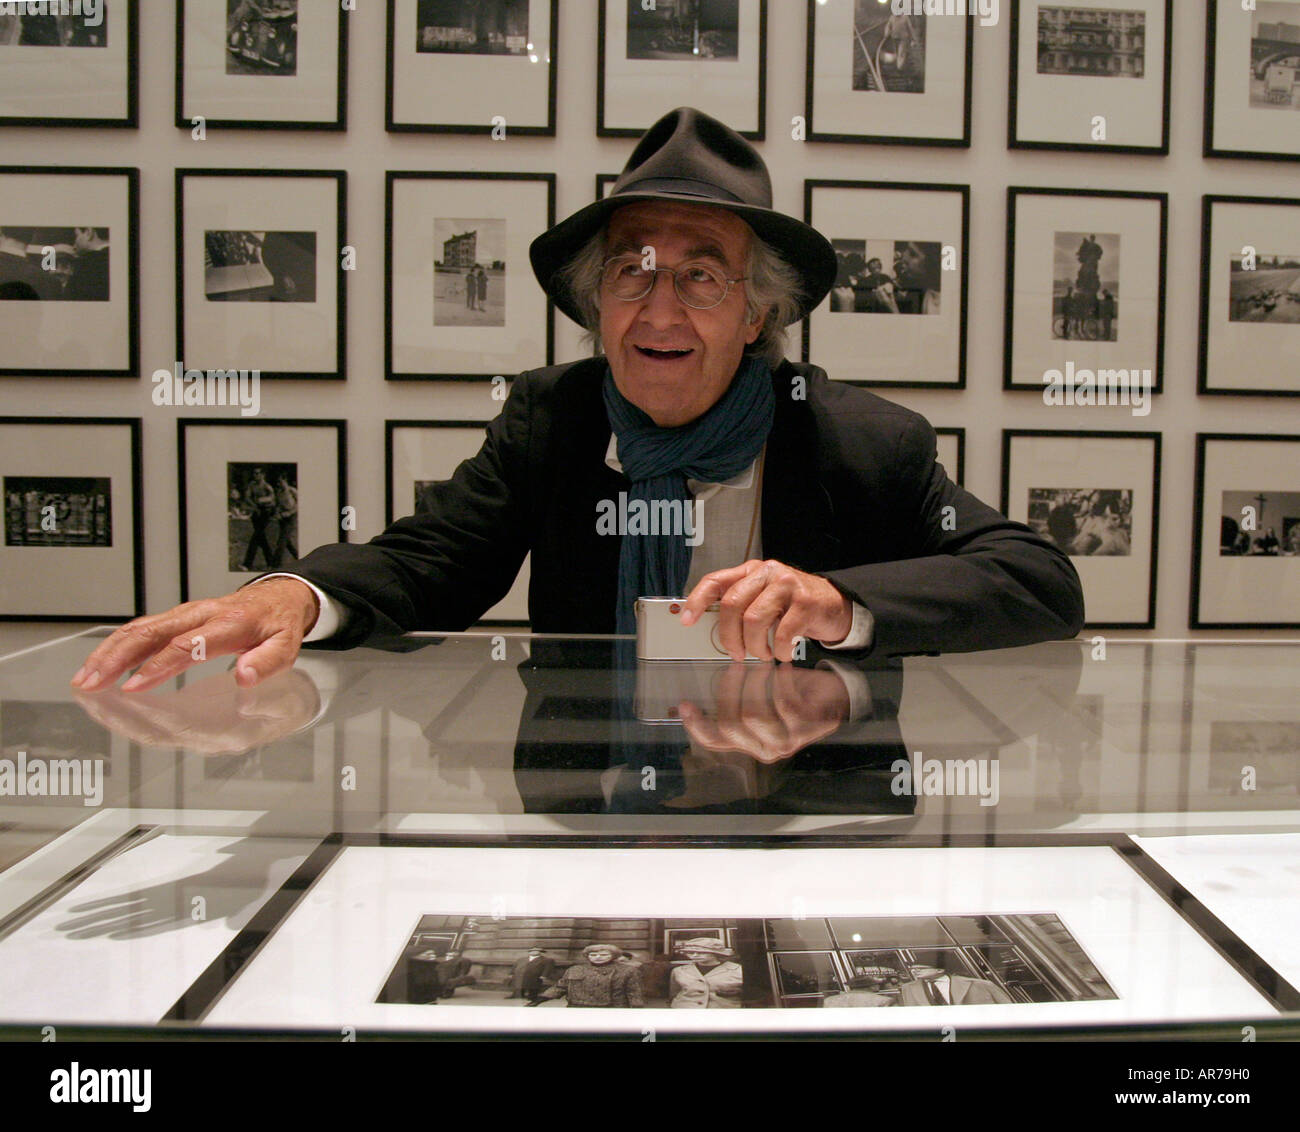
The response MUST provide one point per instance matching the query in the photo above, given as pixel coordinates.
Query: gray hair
(771, 285)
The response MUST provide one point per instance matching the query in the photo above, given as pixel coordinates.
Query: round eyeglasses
(697, 284)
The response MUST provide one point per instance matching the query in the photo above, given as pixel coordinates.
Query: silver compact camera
(660, 634)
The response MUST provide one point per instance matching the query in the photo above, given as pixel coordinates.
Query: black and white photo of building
(469, 272)
(1275, 56)
(1104, 42)
(58, 511)
(472, 27)
(683, 29)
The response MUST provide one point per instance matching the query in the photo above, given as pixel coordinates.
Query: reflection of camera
(660, 634)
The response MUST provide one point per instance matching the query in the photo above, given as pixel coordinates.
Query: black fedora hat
(688, 157)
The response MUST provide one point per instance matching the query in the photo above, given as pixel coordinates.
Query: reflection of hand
(212, 716)
(768, 711)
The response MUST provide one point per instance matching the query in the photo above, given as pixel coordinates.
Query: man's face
(599, 958)
(923, 971)
(670, 360)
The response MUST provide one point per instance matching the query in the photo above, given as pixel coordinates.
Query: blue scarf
(714, 447)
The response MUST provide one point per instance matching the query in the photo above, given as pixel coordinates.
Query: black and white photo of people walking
(262, 516)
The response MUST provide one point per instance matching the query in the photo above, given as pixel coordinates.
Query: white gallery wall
(365, 151)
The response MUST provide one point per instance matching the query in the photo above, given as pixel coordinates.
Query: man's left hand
(758, 596)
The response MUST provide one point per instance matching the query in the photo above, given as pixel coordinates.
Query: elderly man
(828, 516)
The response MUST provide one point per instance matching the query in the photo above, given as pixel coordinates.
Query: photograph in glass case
(69, 65)
(472, 67)
(1090, 76)
(887, 74)
(1252, 80)
(261, 64)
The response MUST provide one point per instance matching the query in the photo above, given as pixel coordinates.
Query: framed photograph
(1096, 496)
(69, 240)
(1246, 532)
(1085, 293)
(74, 529)
(952, 452)
(460, 300)
(897, 313)
(260, 278)
(419, 454)
(472, 67)
(1056, 934)
(81, 68)
(874, 75)
(1252, 80)
(710, 54)
(1091, 75)
(604, 182)
(255, 495)
(1250, 296)
(269, 64)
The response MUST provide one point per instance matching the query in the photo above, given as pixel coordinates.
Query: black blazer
(851, 491)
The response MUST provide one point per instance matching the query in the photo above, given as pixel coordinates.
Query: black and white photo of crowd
(887, 276)
(58, 511)
(259, 267)
(261, 37)
(469, 272)
(888, 49)
(60, 264)
(1268, 291)
(1260, 524)
(1099, 42)
(262, 515)
(1275, 56)
(1267, 747)
(472, 27)
(683, 29)
(1085, 298)
(26, 28)
(1085, 522)
(730, 963)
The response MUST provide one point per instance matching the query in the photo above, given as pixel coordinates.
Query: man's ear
(755, 326)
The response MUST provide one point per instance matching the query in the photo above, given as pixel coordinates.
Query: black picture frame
(182, 474)
(134, 428)
(337, 123)
(1014, 194)
(132, 271)
(1209, 146)
(1009, 435)
(326, 255)
(603, 183)
(393, 125)
(963, 192)
(131, 119)
(957, 474)
(603, 56)
(1204, 381)
(1197, 618)
(391, 512)
(1014, 141)
(391, 180)
(961, 141)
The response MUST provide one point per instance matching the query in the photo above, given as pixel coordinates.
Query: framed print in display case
(874, 75)
(81, 68)
(420, 454)
(1246, 532)
(1252, 79)
(1250, 296)
(460, 299)
(1086, 291)
(952, 452)
(897, 313)
(1096, 496)
(472, 67)
(73, 527)
(69, 239)
(278, 64)
(711, 54)
(1091, 75)
(255, 495)
(260, 279)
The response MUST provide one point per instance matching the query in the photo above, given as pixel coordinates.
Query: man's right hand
(263, 624)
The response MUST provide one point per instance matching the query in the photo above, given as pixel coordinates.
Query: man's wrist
(311, 613)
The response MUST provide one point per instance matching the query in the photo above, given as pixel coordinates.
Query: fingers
(712, 586)
(273, 655)
(136, 641)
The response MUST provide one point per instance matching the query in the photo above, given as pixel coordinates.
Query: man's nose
(663, 304)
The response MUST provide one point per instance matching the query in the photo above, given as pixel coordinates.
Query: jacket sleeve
(451, 561)
(974, 580)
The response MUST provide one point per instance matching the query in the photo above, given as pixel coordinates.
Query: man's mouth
(659, 353)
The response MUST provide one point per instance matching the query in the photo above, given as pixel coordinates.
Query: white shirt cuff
(330, 618)
(861, 630)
